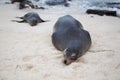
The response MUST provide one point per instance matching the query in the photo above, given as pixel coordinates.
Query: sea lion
(22, 3)
(32, 18)
(70, 37)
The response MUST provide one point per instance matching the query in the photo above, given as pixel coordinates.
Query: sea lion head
(33, 22)
(70, 56)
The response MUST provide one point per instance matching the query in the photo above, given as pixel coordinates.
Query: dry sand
(26, 53)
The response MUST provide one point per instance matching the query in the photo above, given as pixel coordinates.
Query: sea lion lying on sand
(32, 18)
(70, 37)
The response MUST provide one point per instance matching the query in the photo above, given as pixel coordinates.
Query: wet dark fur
(70, 35)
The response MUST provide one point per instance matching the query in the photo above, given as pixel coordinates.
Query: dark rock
(101, 12)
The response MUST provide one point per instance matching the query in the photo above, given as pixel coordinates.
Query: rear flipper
(19, 17)
(44, 21)
(18, 21)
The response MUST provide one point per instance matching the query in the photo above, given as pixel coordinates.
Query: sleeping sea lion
(70, 37)
(32, 18)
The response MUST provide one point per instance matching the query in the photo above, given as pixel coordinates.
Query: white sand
(26, 53)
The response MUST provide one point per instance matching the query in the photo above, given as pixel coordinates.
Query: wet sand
(27, 53)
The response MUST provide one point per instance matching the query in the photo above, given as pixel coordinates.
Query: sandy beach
(27, 53)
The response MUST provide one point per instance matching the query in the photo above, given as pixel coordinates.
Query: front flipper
(19, 17)
(18, 21)
(56, 41)
(40, 21)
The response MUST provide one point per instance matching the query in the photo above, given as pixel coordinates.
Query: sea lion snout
(69, 58)
(67, 61)
(33, 24)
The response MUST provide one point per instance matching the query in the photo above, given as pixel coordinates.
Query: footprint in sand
(3, 78)
(117, 66)
(28, 58)
(25, 67)
(81, 60)
(94, 51)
